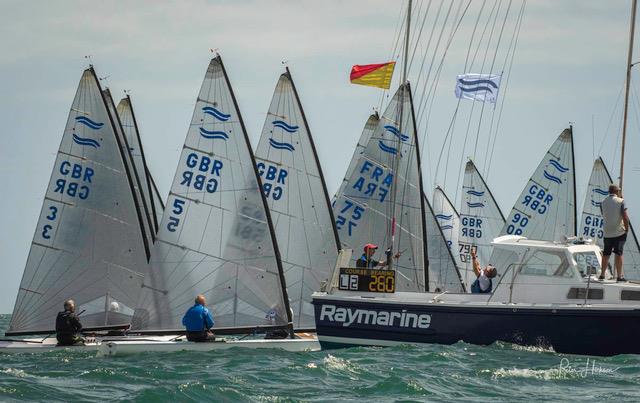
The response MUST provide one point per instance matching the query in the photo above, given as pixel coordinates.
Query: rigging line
(396, 41)
(510, 50)
(613, 112)
(419, 35)
(473, 105)
(455, 113)
(515, 46)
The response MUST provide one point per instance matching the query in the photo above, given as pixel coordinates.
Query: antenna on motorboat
(632, 28)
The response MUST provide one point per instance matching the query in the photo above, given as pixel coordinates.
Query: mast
(627, 86)
(396, 157)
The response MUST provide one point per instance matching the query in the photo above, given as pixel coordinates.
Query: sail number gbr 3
(367, 280)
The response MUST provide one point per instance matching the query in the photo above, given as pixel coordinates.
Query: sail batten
(295, 190)
(89, 244)
(216, 236)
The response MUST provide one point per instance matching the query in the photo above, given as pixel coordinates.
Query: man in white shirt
(616, 227)
(483, 283)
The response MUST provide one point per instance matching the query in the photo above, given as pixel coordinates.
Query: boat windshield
(588, 263)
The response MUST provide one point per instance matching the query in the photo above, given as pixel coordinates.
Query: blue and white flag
(478, 87)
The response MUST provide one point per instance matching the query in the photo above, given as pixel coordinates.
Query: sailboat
(294, 186)
(90, 242)
(546, 294)
(217, 238)
(448, 221)
(481, 221)
(591, 222)
(152, 198)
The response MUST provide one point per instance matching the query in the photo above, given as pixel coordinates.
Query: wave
(552, 178)
(281, 146)
(476, 82)
(89, 123)
(556, 164)
(475, 193)
(595, 203)
(601, 191)
(444, 216)
(83, 141)
(208, 110)
(213, 134)
(476, 89)
(386, 148)
(284, 126)
(448, 226)
(475, 205)
(394, 130)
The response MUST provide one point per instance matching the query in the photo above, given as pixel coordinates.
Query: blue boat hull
(603, 332)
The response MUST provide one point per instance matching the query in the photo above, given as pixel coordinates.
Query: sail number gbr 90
(367, 280)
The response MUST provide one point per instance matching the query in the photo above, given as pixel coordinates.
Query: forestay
(591, 223)
(88, 244)
(216, 236)
(364, 210)
(158, 200)
(480, 221)
(136, 151)
(448, 219)
(443, 272)
(294, 186)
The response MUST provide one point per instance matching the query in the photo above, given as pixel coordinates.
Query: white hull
(138, 344)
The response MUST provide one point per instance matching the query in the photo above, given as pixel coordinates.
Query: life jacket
(475, 287)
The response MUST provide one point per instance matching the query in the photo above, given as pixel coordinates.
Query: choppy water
(501, 372)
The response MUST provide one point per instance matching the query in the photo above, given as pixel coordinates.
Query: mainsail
(591, 223)
(294, 186)
(443, 272)
(364, 210)
(216, 237)
(448, 220)
(156, 198)
(130, 129)
(89, 244)
(480, 221)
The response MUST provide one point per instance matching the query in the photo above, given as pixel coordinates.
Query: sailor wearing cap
(367, 261)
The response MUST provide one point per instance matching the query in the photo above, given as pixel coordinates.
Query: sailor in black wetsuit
(68, 326)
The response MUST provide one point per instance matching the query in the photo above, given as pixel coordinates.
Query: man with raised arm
(483, 283)
(198, 321)
(616, 227)
(68, 326)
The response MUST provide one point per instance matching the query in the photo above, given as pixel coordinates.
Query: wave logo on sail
(84, 141)
(281, 145)
(89, 123)
(448, 226)
(552, 178)
(284, 126)
(394, 130)
(556, 164)
(444, 217)
(213, 134)
(221, 116)
(475, 193)
(601, 191)
(386, 148)
(475, 205)
(595, 203)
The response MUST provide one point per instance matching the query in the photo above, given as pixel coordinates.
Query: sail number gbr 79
(367, 280)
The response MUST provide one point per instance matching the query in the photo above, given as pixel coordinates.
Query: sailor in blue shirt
(198, 321)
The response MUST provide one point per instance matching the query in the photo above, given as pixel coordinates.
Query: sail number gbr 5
(367, 280)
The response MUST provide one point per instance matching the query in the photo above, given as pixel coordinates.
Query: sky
(569, 68)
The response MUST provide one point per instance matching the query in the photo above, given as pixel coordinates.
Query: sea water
(500, 372)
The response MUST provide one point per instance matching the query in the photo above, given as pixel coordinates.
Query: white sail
(88, 244)
(443, 272)
(364, 210)
(480, 221)
(216, 236)
(448, 220)
(591, 223)
(158, 200)
(130, 129)
(294, 186)
(139, 191)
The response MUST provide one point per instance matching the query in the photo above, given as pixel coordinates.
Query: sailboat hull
(603, 331)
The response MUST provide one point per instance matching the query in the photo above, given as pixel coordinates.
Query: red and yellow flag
(374, 75)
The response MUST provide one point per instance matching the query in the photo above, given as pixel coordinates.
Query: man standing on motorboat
(68, 326)
(198, 321)
(616, 227)
(483, 283)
